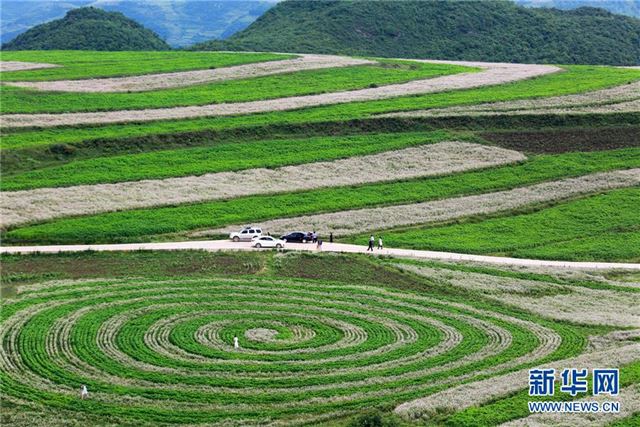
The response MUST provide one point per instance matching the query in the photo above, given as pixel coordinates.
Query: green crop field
(334, 334)
(18, 100)
(75, 65)
(537, 162)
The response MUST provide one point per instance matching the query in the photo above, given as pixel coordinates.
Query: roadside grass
(584, 229)
(615, 245)
(146, 224)
(76, 65)
(22, 270)
(574, 79)
(308, 82)
(521, 275)
(221, 157)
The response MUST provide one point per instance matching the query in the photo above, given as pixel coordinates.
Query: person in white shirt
(84, 393)
(236, 345)
(371, 242)
(379, 242)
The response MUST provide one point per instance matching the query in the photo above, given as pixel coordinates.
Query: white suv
(246, 234)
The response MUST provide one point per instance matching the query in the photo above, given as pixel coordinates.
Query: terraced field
(530, 161)
(339, 149)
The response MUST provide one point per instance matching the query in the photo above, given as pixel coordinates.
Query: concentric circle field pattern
(162, 351)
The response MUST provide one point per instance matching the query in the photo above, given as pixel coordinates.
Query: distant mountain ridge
(621, 7)
(179, 22)
(486, 30)
(88, 28)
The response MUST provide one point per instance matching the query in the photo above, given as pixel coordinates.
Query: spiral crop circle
(163, 351)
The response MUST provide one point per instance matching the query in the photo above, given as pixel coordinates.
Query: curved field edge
(343, 269)
(602, 227)
(514, 407)
(148, 224)
(281, 85)
(221, 157)
(89, 64)
(575, 79)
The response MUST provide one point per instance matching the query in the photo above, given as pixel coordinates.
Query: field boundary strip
(629, 400)
(370, 219)
(186, 78)
(23, 66)
(490, 74)
(589, 102)
(440, 158)
(479, 392)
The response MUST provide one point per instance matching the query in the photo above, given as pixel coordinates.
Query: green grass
(602, 227)
(332, 291)
(515, 406)
(215, 158)
(575, 79)
(76, 65)
(21, 100)
(145, 223)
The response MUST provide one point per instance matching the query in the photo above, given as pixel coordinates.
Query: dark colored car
(296, 236)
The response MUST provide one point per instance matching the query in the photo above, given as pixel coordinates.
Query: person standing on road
(319, 246)
(371, 241)
(380, 242)
(314, 236)
(331, 237)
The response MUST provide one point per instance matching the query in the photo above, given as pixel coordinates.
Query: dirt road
(222, 245)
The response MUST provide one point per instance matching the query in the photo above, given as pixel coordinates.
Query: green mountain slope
(88, 29)
(487, 30)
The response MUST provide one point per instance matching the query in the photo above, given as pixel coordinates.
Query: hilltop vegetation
(88, 29)
(179, 22)
(622, 7)
(487, 30)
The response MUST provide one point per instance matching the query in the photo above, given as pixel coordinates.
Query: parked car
(267, 242)
(246, 234)
(296, 236)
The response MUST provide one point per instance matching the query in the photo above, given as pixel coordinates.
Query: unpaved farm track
(226, 245)
(187, 78)
(23, 66)
(23, 206)
(491, 74)
(370, 219)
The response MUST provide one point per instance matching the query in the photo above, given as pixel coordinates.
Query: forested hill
(486, 30)
(88, 29)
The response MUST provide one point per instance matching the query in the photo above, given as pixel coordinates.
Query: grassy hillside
(88, 29)
(44, 167)
(487, 30)
(519, 160)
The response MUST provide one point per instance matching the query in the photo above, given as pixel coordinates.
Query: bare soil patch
(566, 140)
